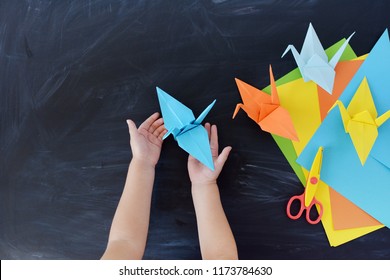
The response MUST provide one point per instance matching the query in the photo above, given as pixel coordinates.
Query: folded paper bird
(180, 121)
(361, 120)
(265, 109)
(313, 62)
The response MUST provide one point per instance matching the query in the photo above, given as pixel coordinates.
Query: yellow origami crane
(361, 120)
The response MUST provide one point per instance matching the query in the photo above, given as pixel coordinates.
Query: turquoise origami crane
(180, 121)
(313, 62)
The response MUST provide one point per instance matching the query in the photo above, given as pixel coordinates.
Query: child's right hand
(199, 173)
(146, 141)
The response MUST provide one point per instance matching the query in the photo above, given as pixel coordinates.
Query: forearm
(215, 236)
(131, 220)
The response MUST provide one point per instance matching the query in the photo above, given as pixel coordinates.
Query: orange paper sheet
(347, 215)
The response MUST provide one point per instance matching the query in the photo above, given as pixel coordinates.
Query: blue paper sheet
(367, 186)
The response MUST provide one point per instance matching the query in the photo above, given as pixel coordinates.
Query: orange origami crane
(265, 109)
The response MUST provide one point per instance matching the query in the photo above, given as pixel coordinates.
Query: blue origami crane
(180, 121)
(313, 62)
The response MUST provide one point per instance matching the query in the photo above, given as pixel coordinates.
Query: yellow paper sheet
(298, 98)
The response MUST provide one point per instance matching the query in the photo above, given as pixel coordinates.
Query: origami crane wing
(180, 121)
(176, 115)
(362, 101)
(196, 143)
(363, 132)
(312, 46)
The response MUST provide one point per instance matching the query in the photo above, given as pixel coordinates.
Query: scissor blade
(314, 177)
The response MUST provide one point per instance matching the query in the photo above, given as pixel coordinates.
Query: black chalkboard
(72, 72)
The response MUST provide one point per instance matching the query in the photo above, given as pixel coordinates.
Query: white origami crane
(313, 62)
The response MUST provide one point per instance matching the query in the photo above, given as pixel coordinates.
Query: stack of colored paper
(348, 120)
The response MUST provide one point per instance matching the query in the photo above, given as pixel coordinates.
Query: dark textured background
(71, 72)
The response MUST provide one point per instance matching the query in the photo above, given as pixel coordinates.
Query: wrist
(203, 186)
(204, 183)
(142, 164)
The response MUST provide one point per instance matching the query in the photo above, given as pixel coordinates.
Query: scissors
(307, 199)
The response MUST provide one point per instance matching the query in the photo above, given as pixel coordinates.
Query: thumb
(132, 127)
(223, 156)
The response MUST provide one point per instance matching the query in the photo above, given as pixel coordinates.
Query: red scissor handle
(301, 199)
(308, 209)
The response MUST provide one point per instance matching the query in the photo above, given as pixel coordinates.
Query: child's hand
(146, 141)
(199, 173)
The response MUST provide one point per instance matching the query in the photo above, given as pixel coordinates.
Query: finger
(162, 133)
(214, 141)
(191, 158)
(149, 121)
(158, 130)
(207, 127)
(223, 157)
(132, 128)
(156, 124)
